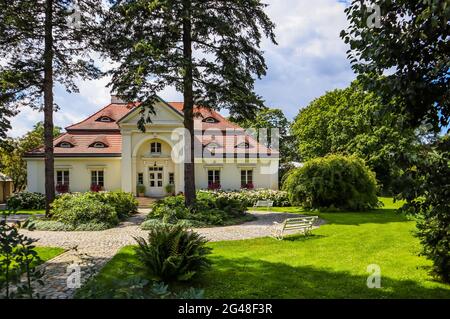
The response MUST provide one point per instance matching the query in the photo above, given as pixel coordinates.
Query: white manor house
(108, 151)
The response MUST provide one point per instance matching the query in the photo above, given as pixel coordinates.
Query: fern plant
(172, 253)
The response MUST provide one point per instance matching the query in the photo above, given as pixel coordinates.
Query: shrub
(26, 200)
(248, 197)
(172, 253)
(334, 181)
(124, 203)
(211, 208)
(80, 209)
(53, 225)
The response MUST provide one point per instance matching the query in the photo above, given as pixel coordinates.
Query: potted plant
(140, 190)
(170, 189)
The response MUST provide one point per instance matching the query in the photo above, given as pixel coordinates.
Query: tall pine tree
(44, 42)
(207, 49)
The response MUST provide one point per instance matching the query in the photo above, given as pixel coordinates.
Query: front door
(155, 178)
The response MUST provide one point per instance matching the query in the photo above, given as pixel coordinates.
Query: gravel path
(92, 249)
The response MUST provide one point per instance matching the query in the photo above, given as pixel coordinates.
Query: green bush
(172, 253)
(53, 225)
(124, 203)
(78, 209)
(211, 208)
(26, 200)
(334, 182)
(249, 197)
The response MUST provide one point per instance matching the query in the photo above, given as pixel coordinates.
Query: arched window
(65, 145)
(155, 148)
(98, 145)
(210, 120)
(105, 119)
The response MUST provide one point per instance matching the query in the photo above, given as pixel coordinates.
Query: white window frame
(155, 148)
(65, 178)
(65, 145)
(95, 180)
(246, 176)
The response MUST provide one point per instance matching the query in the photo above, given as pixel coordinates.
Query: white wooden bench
(301, 225)
(264, 203)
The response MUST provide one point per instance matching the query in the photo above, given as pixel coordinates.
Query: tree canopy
(353, 121)
(12, 151)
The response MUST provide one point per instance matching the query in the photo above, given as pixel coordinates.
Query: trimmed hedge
(250, 197)
(333, 182)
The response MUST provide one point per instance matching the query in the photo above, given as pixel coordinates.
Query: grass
(29, 212)
(45, 253)
(331, 263)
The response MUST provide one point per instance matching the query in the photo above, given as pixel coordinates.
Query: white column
(127, 171)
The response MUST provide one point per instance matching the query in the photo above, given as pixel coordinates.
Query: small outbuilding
(6, 187)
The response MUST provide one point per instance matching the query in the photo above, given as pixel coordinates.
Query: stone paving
(92, 249)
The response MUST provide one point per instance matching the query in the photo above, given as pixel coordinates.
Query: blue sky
(309, 60)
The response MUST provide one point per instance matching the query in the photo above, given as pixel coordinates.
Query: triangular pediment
(165, 114)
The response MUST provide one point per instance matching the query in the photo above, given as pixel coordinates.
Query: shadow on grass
(250, 278)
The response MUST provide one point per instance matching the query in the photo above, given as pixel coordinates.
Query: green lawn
(29, 212)
(45, 253)
(332, 263)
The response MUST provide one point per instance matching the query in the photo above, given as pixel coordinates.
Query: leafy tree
(411, 43)
(44, 42)
(207, 49)
(13, 150)
(352, 121)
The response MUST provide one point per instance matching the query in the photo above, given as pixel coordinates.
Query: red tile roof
(84, 134)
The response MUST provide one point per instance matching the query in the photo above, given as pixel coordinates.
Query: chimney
(115, 99)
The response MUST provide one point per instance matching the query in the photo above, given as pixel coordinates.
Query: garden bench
(301, 224)
(263, 203)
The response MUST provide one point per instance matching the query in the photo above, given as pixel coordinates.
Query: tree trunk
(48, 107)
(189, 170)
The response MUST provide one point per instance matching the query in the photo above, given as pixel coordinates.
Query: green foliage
(26, 200)
(171, 253)
(12, 151)
(352, 121)
(419, 82)
(124, 203)
(211, 208)
(78, 209)
(426, 187)
(140, 189)
(248, 198)
(333, 182)
(17, 256)
(53, 225)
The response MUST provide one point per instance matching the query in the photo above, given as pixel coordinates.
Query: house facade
(108, 151)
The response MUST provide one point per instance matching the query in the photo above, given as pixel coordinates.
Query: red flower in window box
(214, 186)
(62, 188)
(248, 186)
(96, 188)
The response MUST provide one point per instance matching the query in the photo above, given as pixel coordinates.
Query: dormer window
(105, 119)
(65, 145)
(210, 120)
(243, 145)
(99, 145)
(212, 145)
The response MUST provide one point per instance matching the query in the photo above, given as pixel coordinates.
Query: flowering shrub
(248, 197)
